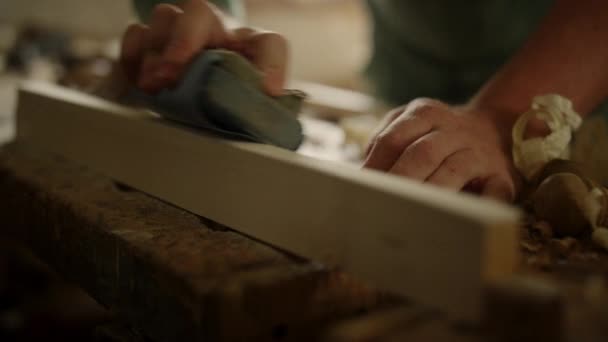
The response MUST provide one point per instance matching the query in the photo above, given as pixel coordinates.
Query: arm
(460, 147)
(567, 55)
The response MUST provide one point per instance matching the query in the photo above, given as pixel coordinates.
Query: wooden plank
(438, 247)
(161, 268)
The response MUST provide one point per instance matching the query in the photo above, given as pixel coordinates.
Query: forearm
(567, 55)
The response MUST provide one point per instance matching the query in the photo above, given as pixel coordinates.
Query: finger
(161, 24)
(152, 61)
(269, 52)
(387, 120)
(499, 187)
(156, 76)
(398, 135)
(457, 170)
(420, 117)
(132, 50)
(420, 159)
(197, 28)
(420, 106)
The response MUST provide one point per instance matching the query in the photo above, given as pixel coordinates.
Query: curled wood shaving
(531, 155)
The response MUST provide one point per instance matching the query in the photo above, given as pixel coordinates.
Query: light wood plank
(438, 247)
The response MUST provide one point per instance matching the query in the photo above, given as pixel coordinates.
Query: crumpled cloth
(222, 92)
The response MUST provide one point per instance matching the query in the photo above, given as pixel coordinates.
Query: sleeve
(143, 8)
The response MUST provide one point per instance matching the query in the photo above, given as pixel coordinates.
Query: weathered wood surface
(164, 269)
(438, 247)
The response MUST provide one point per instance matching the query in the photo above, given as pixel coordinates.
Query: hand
(456, 148)
(155, 55)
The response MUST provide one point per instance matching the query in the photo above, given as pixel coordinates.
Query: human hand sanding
(176, 74)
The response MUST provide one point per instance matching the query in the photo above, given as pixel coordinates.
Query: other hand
(457, 148)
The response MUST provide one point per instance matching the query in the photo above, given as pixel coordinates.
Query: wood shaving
(531, 155)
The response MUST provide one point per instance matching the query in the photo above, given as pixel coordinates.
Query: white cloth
(531, 155)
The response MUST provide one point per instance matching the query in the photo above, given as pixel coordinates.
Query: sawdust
(543, 252)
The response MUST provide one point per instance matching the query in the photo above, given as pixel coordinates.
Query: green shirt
(443, 49)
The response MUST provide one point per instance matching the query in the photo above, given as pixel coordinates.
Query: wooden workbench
(176, 276)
